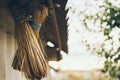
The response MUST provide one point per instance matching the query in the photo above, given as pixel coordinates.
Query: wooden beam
(52, 13)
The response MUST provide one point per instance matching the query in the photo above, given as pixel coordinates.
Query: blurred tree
(109, 18)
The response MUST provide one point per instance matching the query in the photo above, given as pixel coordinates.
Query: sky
(80, 56)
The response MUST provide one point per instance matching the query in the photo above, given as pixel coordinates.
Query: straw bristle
(29, 57)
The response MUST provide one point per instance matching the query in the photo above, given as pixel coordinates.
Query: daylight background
(85, 41)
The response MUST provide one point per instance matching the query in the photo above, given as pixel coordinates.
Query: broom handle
(52, 12)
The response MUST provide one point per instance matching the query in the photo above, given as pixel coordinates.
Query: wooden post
(52, 13)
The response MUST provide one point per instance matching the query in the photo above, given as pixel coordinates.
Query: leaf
(107, 55)
(107, 31)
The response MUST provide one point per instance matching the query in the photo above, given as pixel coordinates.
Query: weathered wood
(54, 20)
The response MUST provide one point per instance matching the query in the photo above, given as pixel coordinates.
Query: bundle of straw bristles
(30, 55)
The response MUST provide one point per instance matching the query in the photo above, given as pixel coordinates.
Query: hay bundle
(29, 57)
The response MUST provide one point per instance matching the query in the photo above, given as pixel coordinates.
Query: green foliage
(111, 15)
(109, 19)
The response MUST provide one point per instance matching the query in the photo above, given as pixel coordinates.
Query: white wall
(7, 50)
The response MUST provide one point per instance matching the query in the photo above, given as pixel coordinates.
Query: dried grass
(29, 57)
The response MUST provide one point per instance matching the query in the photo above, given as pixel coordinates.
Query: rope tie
(31, 21)
(35, 25)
